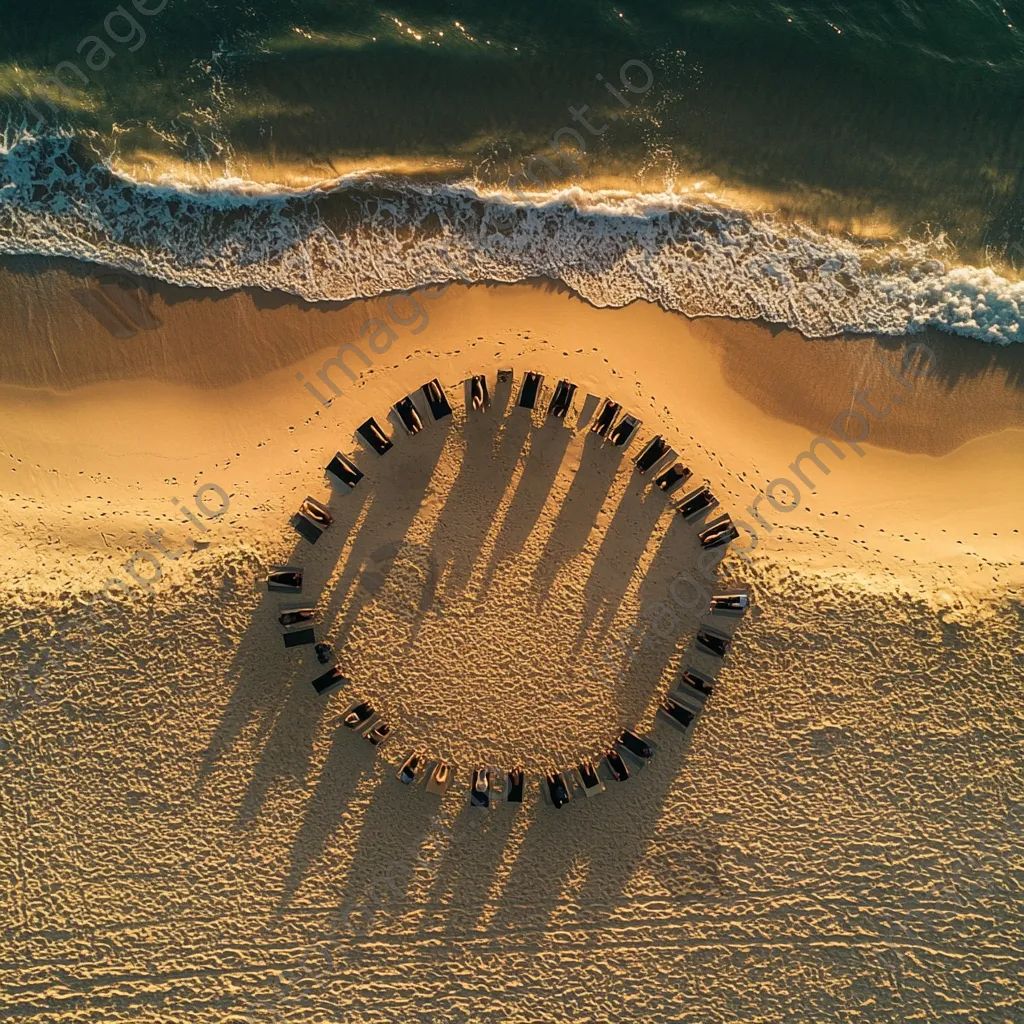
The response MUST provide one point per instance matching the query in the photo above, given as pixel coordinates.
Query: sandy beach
(190, 832)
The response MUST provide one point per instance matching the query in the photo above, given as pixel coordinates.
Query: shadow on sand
(522, 868)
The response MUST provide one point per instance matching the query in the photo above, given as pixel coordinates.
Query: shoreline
(212, 394)
(35, 287)
(267, 174)
(364, 238)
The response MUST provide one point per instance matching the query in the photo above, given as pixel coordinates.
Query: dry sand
(190, 834)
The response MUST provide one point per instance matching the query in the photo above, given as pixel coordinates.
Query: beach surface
(191, 834)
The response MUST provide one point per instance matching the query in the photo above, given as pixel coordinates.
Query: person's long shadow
(548, 444)
(555, 879)
(259, 693)
(395, 501)
(674, 597)
(405, 837)
(626, 834)
(494, 442)
(574, 866)
(350, 763)
(399, 827)
(578, 514)
(460, 894)
(627, 536)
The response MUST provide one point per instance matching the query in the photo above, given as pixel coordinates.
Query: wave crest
(368, 235)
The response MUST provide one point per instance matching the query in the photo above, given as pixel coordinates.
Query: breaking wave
(367, 235)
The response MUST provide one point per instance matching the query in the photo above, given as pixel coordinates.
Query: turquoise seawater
(901, 116)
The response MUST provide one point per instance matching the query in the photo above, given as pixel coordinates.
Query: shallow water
(877, 124)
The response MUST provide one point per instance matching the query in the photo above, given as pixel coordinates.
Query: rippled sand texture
(838, 842)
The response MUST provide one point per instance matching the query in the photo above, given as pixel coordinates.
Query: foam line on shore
(369, 234)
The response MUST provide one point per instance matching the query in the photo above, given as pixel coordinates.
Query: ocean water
(829, 166)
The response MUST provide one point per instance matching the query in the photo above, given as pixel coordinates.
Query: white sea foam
(372, 234)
